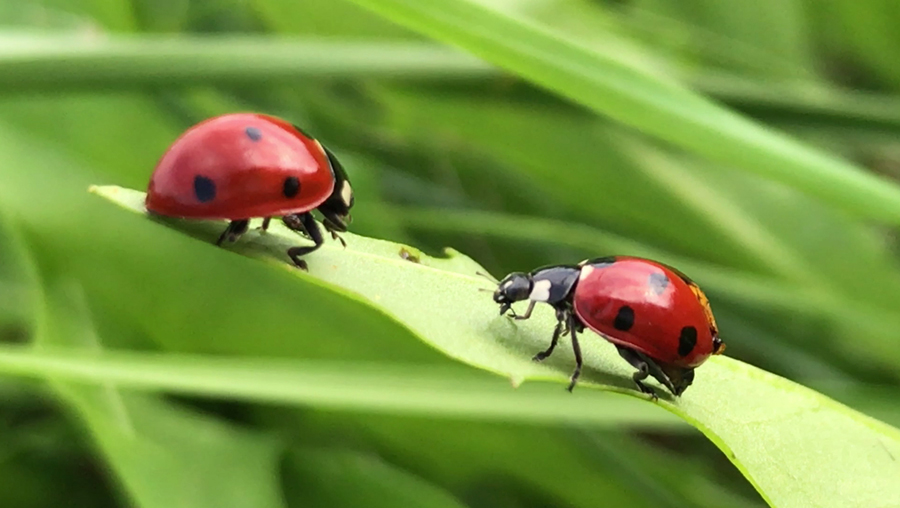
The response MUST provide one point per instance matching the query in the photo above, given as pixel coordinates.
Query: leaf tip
(106, 191)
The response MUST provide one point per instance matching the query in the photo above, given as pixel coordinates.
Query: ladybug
(246, 165)
(658, 319)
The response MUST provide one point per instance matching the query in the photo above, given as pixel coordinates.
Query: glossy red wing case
(240, 166)
(648, 307)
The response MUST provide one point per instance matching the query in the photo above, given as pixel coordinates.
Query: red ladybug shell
(240, 166)
(649, 307)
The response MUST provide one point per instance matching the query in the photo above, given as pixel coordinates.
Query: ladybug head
(677, 379)
(718, 345)
(514, 287)
(336, 208)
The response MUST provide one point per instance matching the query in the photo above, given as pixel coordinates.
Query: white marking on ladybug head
(585, 272)
(346, 193)
(541, 291)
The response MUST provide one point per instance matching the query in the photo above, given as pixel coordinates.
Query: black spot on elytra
(624, 318)
(253, 133)
(687, 340)
(291, 187)
(658, 282)
(204, 189)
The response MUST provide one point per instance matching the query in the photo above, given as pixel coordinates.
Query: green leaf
(797, 447)
(626, 90)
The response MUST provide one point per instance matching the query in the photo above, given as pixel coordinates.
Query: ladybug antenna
(488, 277)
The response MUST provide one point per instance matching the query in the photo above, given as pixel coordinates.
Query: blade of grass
(347, 386)
(812, 102)
(31, 62)
(28, 63)
(610, 85)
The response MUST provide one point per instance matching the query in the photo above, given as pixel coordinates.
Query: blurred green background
(443, 150)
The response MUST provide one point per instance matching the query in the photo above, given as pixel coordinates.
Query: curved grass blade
(609, 84)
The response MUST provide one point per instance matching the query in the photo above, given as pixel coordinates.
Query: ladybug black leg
(646, 367)
(639, 376)
(235, 229)
(562, 316)
(543, 355)
(527, 313)
(658, 374)
(576, 348)
(303, 223)
(332, 228)
(637, 362)
(265, 224)
(295, 223)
